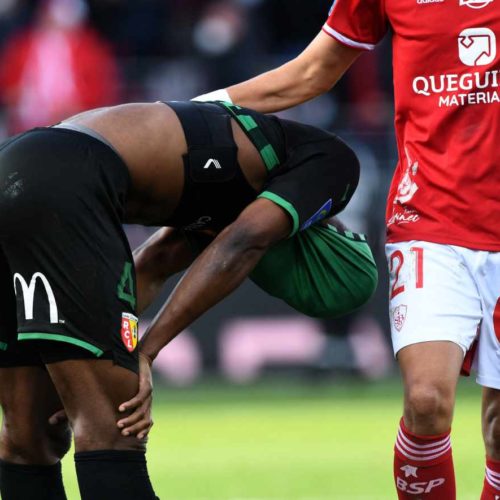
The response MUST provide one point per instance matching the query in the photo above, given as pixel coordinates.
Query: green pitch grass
(304, 442)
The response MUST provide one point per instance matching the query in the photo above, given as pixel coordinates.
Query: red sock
(491, 488)
(423, 466)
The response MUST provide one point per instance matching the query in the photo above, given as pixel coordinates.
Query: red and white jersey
(446, 188)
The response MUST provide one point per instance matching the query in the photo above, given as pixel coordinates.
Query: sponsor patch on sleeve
(319, 215)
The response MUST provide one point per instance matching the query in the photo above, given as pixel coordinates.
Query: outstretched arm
(313, 72)
(219, 270)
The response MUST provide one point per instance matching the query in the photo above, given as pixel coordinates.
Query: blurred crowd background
(58, 57)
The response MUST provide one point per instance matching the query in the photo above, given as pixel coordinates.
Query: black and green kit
(65, 263)
(312, 175)
(66, 268)
(322, 271)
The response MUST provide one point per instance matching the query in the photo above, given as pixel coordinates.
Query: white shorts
(445, 292)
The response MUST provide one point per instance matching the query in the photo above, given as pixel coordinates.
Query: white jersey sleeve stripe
(347, 41)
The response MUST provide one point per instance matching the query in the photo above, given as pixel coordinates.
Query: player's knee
(492, 441)
(428, 409)
(344, 154)
(59, 439)
(491, 432)
(26, 442)
(92, 434)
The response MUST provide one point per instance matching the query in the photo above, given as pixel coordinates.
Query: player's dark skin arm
(219, 270)
(165, 253)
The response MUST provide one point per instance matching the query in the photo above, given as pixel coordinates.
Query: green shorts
(321, 272)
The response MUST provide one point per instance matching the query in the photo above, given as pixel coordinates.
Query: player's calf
(30, 464)
(491, 422)
(423, 462)
(30, 448)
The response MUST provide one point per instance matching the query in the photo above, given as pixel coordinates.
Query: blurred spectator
(13, 13)
(220, 29)
(223, 35)
(56, 67)
(136, 28)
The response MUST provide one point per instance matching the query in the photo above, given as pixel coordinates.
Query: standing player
(248, 180)
(443, 237)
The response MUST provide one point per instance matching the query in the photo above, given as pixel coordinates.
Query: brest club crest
(399, 317)
(475, 4)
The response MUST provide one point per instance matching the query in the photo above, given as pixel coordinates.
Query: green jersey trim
(319, 272)
(268, 154)
(254, 133)
(248, 122)
(286, 205)
(3, 346)
(127, 279)
(61, 338)
(349, 234)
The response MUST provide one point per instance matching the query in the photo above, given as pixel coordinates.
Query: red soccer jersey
(446, 188)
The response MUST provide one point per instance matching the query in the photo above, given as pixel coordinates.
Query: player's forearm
(167, 252)
(313, 72)
(282, 88)
(148, 289)
(217, 272)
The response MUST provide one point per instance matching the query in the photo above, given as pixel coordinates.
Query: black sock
(31, 482)
(107, 474)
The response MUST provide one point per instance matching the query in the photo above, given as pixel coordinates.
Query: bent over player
(202, 170)
(443, 238)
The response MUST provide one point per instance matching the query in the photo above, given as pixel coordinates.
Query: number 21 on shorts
(396, 263)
